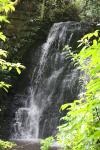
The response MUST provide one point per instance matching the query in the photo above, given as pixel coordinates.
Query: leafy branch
(5, 7)
(81, 129)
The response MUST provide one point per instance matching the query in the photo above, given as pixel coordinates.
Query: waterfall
(54, 81)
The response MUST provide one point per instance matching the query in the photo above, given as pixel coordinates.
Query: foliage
(5, 7)
(50, 10)
(85, 9)
(88, 9)
(47, 143)
(81, 129)
(4, 145)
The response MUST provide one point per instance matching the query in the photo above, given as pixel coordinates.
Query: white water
(27, 118)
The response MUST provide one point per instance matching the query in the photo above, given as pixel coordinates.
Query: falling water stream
(55, 80)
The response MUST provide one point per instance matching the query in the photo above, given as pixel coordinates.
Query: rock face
(25, 37)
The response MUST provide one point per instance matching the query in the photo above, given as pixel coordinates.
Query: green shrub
(6, 6)
(88, 9)
(5, 145)
(81, 129)
(47, 143)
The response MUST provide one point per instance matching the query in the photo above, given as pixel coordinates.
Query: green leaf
(81, 127)
(64, 106)
(18, 70)
(2, 36)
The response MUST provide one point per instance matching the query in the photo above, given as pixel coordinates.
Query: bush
(81, 129)
(4, 145)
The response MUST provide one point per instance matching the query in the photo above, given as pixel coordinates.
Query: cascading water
(54, 80)
(26, 124)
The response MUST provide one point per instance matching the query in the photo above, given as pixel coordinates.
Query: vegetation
(5, 7)
(47, 143)
(36, 17)
(51, 9)
(4, 145)
(85, 9)
(88, 9)
(81, 128)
